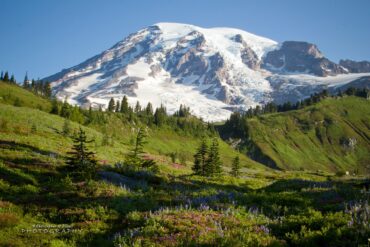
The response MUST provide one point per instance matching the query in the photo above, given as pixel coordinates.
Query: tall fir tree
(200, 158)
(149, 114)
(65, 111)
(66, 127)
(140, 140)
(81, 160)
(54, 106)
(46, 89)
(134, 157)
(160, 116)
(6, 76)
(118, 107)
(137, 107)
(12, 79)
(149, 110)
(235, 167)
(76, 114)
(2, 76)
(213, 163)
(183, 111)
(131, 115)
(124, 105)
(111, 105)
(26, 82)
(91, 115)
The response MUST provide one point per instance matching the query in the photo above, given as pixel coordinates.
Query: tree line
(207, 161)
(4, 76)
(181, 120)
(313, 99)
(236, 126)
(39, 87)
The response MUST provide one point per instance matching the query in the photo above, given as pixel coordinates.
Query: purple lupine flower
(265, 229)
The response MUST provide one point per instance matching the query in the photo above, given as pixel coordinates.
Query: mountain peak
(214, 71)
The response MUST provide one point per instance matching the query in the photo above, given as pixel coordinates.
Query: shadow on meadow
(103, 207)
(12, 145)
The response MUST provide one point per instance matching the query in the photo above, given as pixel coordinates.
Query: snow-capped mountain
(213, 71)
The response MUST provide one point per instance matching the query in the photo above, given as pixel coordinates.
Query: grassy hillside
(330, 136)
(27, 125)
(41, 204)
(13, 95)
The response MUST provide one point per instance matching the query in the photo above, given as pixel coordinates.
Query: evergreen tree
(138, 148)
(200, 158)
(111, 105)
(76, 115)
(6, 77)
(54, 107)
(350, 91)
(213, 163)
(160, 116)
(2, 76)
(124, 105)
(235, 167)
(130, 114)
(26, 82)
(197, 166)
(81, 160)
(33, 85)
(235, 124)
(183, 111)
(137, 107)
(149, 110)
(65, 111)
(134, 158)
(46, 89)
(118, 108)
(149, 114)
(91, 115)
(66, 127)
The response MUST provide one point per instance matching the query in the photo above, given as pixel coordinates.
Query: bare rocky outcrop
(355, 67)
(249, 57)
(302, 57)
(348, 143)
(186, 58)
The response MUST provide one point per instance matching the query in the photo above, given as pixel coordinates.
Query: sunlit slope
(331, 135)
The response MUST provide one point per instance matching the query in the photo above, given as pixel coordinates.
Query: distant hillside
(332, 135)
(21, 121)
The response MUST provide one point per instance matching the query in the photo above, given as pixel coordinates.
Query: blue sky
(45, 36)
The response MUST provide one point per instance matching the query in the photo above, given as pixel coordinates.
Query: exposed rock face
(249, 57)
(301, 57)
(293, 88)
(187, 61)
(355, 67)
